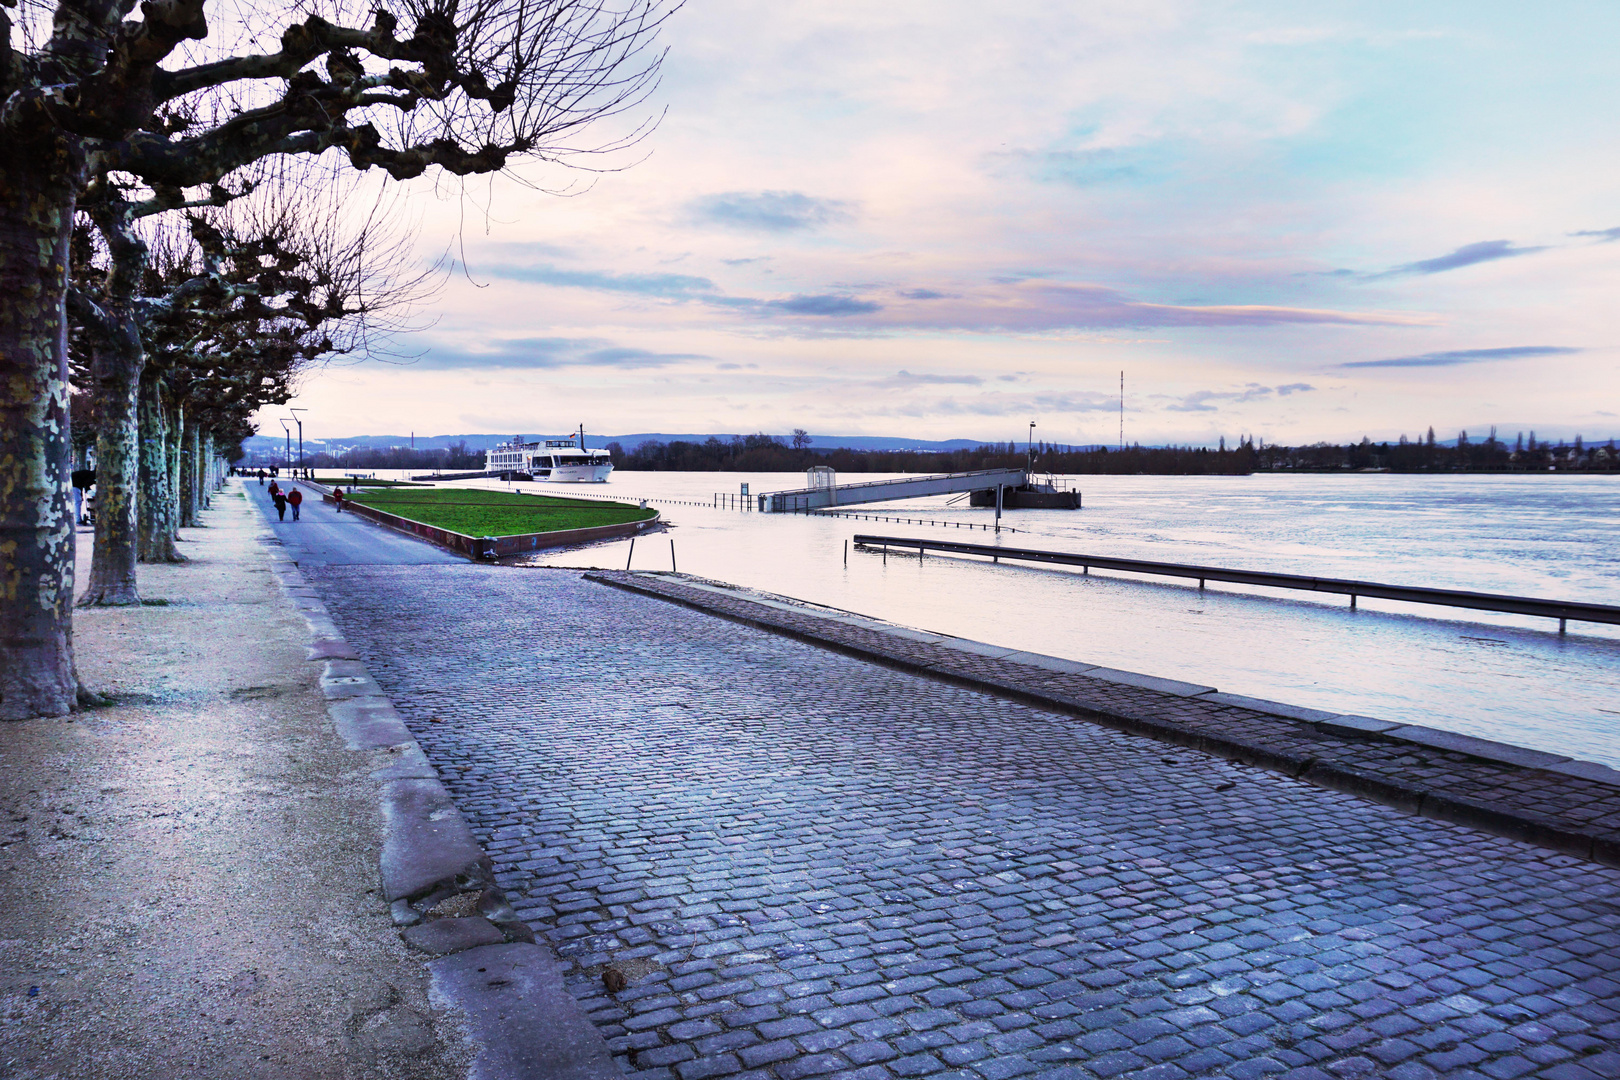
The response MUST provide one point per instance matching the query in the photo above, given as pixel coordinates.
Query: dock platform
(802, 500)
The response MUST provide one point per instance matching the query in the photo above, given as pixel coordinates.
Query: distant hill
(267, 444)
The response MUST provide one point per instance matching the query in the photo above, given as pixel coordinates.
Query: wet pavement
(811, 865)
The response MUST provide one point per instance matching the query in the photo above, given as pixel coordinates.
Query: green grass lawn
(475, 512)
(344, 482)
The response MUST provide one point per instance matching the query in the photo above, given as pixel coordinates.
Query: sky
(949, 219)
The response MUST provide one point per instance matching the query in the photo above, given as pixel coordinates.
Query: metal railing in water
(1562, 610)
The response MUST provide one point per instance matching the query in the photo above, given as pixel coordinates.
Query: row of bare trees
(181, 330)
(140, 258)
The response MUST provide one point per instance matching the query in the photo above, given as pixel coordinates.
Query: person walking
(261, 478)
(281, 504)
(337, 497)
(295, 499)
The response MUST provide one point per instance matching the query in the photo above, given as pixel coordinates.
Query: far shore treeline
(769, 453)
(766, 453)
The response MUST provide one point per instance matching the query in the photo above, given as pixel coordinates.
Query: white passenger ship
(557, 461)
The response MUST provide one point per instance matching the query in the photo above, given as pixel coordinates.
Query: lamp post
(1032, 446)
(300, 422)
(286, 458)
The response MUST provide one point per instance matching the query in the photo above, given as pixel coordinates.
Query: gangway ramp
(909, 487)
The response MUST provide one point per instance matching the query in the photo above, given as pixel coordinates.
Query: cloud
(546, 352)
(1027, 305)
(1465, 356)
(769, 211)
(636, 358)
(1204, 400)
(906, 378)
(1467, 255)
(821, 305)
(678, 286)
(1604, 236)
(1024, 300)
(994, 403)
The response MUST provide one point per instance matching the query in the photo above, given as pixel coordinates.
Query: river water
(1504, 677)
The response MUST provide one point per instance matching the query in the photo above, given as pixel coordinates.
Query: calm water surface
(1501, 677)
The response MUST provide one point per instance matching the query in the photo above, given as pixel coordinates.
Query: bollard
(672, 567)
(846, 551)
(632, 554)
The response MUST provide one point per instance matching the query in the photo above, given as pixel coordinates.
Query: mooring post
(1561, 623)
(632, 554)
(1352, 601)
(672, 567)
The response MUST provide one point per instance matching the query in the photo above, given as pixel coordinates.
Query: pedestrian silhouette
(281, 505)
(295, 499)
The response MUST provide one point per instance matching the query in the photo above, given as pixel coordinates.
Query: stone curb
(440, 885)
(1565, 836)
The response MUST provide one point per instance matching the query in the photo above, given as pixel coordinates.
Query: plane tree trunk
(38, 186)
(112, 563)
(156, 516)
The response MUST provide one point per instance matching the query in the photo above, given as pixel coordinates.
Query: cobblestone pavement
(812, 866)
(1569, 806)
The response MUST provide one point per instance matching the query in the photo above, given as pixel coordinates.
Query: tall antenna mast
(1122, 410)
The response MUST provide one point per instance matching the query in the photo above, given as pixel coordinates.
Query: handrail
(1519, 605)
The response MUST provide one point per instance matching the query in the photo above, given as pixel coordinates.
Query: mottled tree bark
(186, 447)
(155, 530)
(112, 562)
(38, 184)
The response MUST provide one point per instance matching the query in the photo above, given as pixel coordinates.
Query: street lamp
(300, 421)
(286, 458)
(1032, 446)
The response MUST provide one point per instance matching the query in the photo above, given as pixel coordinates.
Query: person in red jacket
(337, 497)
(295, 499)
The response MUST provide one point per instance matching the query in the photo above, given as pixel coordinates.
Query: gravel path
(188, 879)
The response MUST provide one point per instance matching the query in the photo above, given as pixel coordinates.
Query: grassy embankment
(473, 512)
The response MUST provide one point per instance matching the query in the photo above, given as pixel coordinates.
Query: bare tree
(466, 86)
(234, 303)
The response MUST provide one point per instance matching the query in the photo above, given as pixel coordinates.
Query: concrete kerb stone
(1521, 825)
(502, 989)
(1484, 749)
(439, 883)
(427, 846)
(369, 723)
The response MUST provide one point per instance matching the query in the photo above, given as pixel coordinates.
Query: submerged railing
(1562, 610)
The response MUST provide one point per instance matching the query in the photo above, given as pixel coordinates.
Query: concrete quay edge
(482, 959)
(1601, 845)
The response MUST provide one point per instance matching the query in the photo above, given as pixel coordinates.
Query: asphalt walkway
(324, 537)
(810, 865)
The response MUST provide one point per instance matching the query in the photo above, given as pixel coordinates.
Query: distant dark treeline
(457, 456)
(766, 453)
